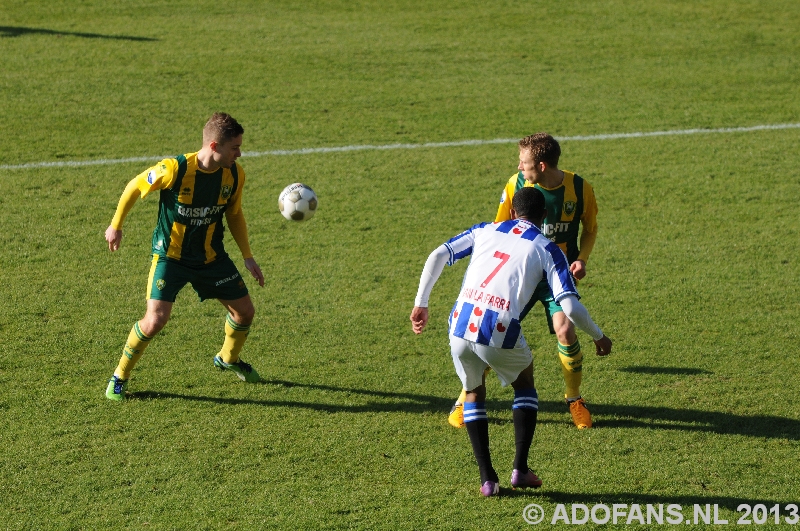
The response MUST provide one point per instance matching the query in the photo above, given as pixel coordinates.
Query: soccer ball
(297, 202)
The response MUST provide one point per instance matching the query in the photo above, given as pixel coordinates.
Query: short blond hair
(221, 128)
(543, 148)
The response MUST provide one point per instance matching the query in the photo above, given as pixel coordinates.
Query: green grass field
(694, 275)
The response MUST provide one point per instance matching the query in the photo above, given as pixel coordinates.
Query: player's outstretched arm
(419, 318)
(252, 266)
(578, 314)
(237, 225)
(430, 274)
(588, 231)
(238, 228)
(126, 202)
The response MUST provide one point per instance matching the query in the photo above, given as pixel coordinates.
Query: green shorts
(544, 294)
(218, 280)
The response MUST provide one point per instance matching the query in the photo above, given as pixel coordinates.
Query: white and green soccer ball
(297, 202)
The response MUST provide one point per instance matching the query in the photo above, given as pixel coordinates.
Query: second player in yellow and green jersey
(569, 206)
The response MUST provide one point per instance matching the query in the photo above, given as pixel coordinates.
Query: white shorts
(471, 359)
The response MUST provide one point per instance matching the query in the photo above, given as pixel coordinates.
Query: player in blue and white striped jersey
(508, 260)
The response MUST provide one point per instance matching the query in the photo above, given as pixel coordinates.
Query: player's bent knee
(563, 327)
(156, 317)
(241, 310)
(153, 324)
(566, 333)
(244, 316)
(525, 379)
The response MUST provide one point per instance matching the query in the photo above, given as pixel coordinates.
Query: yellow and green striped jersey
(191, 205)
(568, 205)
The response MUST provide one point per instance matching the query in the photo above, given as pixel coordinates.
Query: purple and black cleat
(520, 480)
(490, 488)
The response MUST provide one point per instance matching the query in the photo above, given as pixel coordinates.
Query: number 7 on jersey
(503, 259)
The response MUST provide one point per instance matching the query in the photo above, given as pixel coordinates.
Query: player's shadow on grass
(682, 371)
(651, 417)
(17, 31)
(605, 415)
(406, 402)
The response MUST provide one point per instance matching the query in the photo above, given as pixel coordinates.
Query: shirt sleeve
(504, 208)
(430, 274)
(578, 314)
(461, 245)
(238, 227)
(234, 215)
(235, 201)
(588, 222)
(448, 253)
(157, 177)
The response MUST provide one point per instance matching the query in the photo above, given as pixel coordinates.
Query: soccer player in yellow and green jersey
(196, 191)
(571, 223)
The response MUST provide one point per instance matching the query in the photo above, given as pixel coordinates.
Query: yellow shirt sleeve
(234, 215)
(158, 177)
(235, 201)
(238, 227)
(588, 222)
(504, 209)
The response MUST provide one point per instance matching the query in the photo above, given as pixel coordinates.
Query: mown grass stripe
(370, 147)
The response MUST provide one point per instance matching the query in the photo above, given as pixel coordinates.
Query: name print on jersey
(486, 298)
(198, 216)
(550, 229)
(200, 212)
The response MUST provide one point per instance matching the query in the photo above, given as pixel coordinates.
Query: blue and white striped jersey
(509, 259)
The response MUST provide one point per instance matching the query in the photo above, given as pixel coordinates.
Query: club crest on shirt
(226, 191)
(569, 207)
(151, 176)
(503, 197)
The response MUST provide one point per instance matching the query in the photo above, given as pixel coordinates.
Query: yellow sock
(134, 348)
(235, 336)
(572, 367)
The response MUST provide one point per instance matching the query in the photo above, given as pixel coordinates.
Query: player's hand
(578, 269)
(603, 346)
(114, 238)
(252, 266)
(419, 318)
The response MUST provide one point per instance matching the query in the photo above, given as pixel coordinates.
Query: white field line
(367, 147)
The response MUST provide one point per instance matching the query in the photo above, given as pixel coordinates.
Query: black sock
(477, 424)
(525, 410)
(524, 427)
